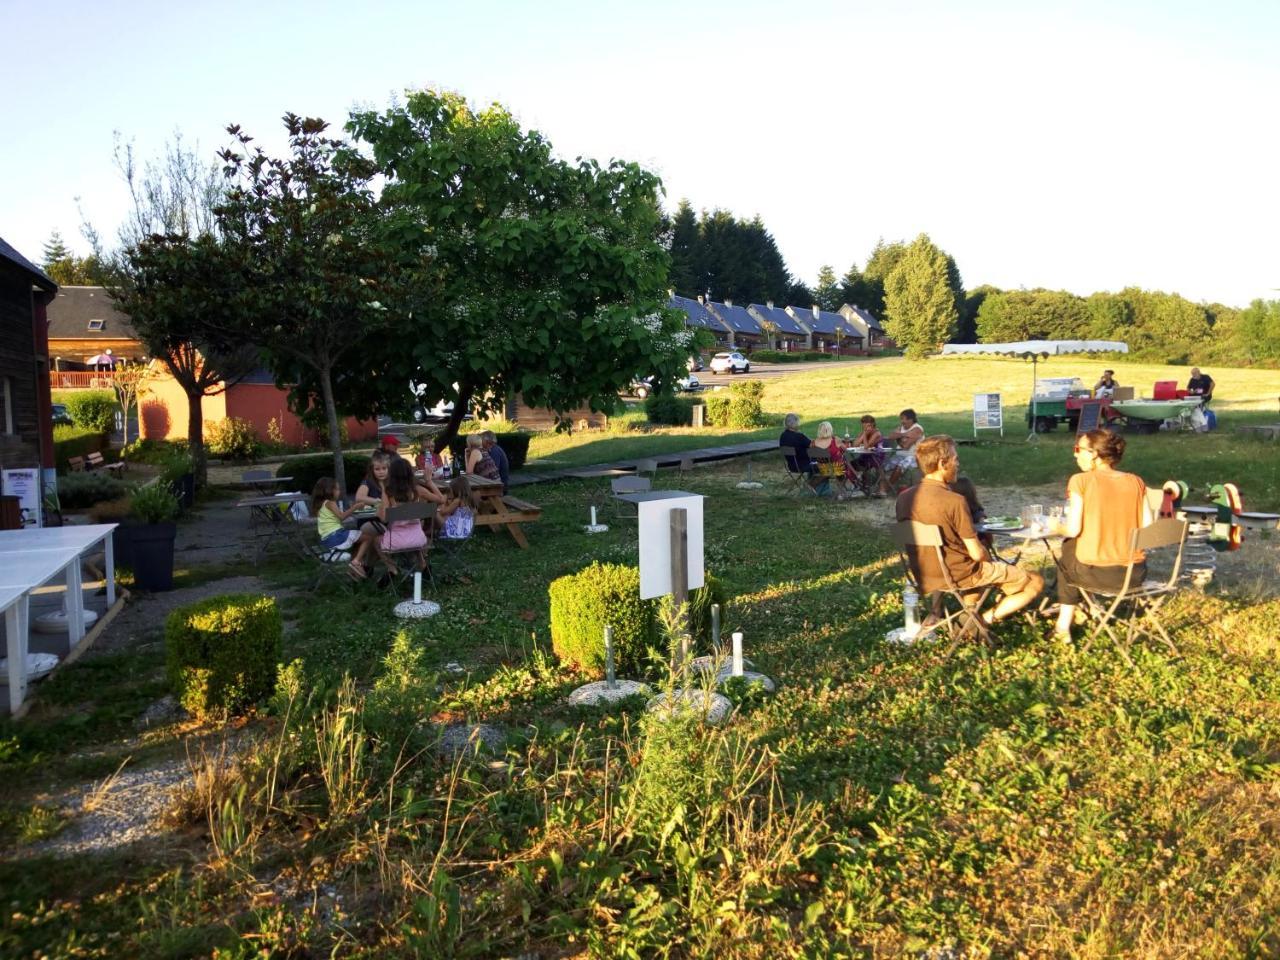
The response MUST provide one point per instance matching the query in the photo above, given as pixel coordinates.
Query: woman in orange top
(1105, 506)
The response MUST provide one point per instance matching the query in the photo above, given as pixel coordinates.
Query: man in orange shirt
(1105, 506)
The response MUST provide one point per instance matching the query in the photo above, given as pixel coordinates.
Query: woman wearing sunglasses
(1105, 506)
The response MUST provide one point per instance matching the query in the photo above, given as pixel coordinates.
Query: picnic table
(493, 509)
(30, 558)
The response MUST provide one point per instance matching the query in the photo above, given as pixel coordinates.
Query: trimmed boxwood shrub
(85, 489)
(76, 441)
(514, 445)
(667, 408)
(93, 409)
(222, 653)
(608, 593)
(307, 470)
(738, 407)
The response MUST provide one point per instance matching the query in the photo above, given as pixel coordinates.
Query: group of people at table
(1104, 506)
(1198, 385)
(873, 462)
(361, 526)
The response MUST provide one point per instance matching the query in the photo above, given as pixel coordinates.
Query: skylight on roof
(97, 324)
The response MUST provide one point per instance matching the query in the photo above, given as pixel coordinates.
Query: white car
(730, 363)
(643, 387)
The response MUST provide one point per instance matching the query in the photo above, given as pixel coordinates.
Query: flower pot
(152, 547)
(122, 542)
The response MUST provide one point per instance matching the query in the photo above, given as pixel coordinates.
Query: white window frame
(97, 324)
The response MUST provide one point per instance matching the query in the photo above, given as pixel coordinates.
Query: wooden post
(680, 578)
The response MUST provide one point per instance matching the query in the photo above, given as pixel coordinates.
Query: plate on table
(1006, 524)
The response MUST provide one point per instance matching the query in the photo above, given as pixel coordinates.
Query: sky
(1081, 146)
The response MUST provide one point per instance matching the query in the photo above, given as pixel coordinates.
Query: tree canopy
(730, 258)
(920, 302)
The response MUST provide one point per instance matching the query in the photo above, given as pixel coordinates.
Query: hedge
(222, 653)
(153, 451)
(738, 407)
(307, 470)
(795, 356)
(76, 441)
(514, 445)
(606, 593)
(667, 408)
(86, 489)
(93, 409)
(231, 439)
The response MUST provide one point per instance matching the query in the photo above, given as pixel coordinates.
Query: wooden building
(84, 324)
(26, 415)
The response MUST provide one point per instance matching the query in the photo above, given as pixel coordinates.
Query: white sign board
(987, 413)
(25, 485)
(655, 539)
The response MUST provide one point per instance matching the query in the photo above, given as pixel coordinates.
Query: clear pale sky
(1081, 146)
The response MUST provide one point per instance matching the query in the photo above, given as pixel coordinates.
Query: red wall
(259, 403)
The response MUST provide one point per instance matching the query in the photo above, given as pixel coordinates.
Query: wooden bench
(95, 461)
(76, 464)
(507, 512)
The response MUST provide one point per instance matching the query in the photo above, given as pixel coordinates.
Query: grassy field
(1032, 800)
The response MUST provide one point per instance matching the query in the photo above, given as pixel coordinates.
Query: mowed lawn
(941, 392)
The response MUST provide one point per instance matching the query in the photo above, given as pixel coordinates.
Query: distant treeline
(1159, 327)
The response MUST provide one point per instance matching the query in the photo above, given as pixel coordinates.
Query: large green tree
(1032, 315)
(827, 293)
(1257, 331)
(530, 274)
(684, 275)
(880, 264)
(920, 302)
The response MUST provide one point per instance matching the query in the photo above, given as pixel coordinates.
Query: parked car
(644, 386)
(695, 364)
(60, 415)
(440, 413)
(730, 363)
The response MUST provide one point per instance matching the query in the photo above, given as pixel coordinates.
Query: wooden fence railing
(81, 379)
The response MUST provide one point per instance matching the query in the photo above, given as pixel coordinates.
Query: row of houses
(850, 329)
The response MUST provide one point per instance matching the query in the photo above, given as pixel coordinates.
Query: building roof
(87, 313)
(736, 317)
(38, 276)
(826, 322)
(867, 317)
(779, 317)
(696, 314)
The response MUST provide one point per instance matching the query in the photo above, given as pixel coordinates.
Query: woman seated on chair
(1105, 506)
(866, 466)
(478, 462)
(905, 438)
(402, 535)
(826, 441)
(329, 516)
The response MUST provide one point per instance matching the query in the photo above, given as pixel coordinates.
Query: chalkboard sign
(1090, 411)
(987, 413)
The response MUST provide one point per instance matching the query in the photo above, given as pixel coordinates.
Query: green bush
(307, 470)
(740, 408)
(86, 489)
(153, 451)
(514, 445)
(606, 593)
(155, 503)
(93, 409)
(222, 653)
(231, 439)
(795, 356)
(75, 441)
(667, 408)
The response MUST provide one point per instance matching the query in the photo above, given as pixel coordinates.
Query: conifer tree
(920, 304)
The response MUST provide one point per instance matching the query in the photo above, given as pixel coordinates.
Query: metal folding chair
(1136, 606)
(797, 479)
(830, 470)
(647, 467)
(398, 573)
(622, 508)
(911, 537)
(868, 469)
(328, 563)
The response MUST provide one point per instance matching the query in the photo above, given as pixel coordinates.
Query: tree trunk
(335, 434)
(455, 418)
(195, 436)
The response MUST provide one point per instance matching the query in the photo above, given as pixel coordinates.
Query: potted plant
(178, 473)
(151, 540)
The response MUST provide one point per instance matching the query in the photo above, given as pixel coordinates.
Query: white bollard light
(737, 654)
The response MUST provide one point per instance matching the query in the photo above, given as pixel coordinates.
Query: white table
(30, 558)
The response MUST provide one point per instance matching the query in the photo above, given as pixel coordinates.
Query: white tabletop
(34, 567)
(78, 537)
(275, 498)
(9, 596)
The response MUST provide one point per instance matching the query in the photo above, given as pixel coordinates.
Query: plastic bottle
(911, 620)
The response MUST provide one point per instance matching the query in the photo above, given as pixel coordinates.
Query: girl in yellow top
(333, 535)
(1105, 506)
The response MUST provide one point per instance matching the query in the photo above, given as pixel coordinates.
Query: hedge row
(583, 603)
(93, 409)
(514, 445)
(305, 471)
(738, 407)
(77, 441)
(795, 356)
(668, 409)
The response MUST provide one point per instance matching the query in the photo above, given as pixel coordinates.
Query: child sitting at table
(456, 518)
(329, 516)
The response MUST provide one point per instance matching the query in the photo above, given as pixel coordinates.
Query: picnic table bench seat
(93, 461)
(496, 510)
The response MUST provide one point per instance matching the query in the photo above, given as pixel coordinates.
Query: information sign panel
(1090, 413)
(988, 414)
(656, 540)
(24, 484)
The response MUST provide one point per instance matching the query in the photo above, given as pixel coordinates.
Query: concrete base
(704, 665)
(715, 708)
(749, 678)
(749, 485)
(596, 528)
(594, 694)
(900, 636)
(56, 621)
(408, 610)
(38, 664)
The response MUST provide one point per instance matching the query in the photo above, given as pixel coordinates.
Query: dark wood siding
(18, 365)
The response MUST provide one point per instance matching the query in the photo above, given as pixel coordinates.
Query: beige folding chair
(829, 469)
(912, 537)
(797, 479)
(623, 508)
(1136, 606)
(423, 512)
